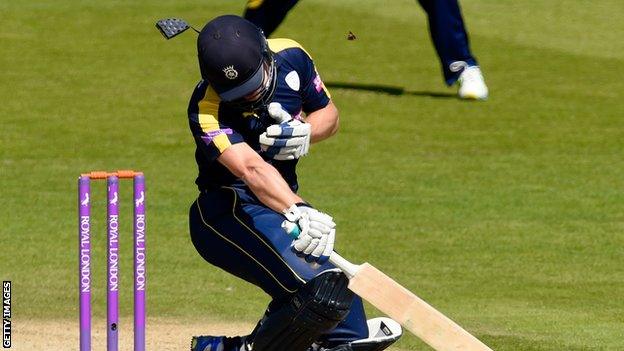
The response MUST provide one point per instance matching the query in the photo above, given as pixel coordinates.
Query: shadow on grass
(387, 89)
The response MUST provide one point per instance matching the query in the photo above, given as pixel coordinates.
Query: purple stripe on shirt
(209, 137)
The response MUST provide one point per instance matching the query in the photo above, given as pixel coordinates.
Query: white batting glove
(288, 140)
(278, 113)
(314, 232)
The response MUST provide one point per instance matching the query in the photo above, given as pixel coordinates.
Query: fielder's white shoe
(471, 84)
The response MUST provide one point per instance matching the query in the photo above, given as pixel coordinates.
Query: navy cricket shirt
(216, 126)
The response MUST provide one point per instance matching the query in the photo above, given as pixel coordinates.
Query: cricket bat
(417, 316)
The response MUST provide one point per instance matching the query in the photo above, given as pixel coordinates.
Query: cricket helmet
(234, 57)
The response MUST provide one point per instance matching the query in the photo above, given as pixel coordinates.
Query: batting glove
(288, 140)
(314, 232)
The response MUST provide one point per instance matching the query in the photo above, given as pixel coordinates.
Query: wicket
(84, 257)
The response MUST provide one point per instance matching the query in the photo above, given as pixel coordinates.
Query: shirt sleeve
(313, 92)
(212, 134)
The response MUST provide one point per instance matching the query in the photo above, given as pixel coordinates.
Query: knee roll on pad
(327, 295)
(314, 309)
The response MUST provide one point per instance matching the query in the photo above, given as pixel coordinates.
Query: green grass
(506, 215)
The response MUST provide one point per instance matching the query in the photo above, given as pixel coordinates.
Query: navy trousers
(268, 14)
(449, 36)
(232, 230)
(446, 27)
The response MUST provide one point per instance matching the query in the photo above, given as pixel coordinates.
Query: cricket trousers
(268, 14)
(232, 230)
(449, 36)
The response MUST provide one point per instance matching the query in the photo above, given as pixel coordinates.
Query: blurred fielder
(446, 27)
(258, 107)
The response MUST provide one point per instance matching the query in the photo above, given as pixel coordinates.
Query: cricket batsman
(255, 112)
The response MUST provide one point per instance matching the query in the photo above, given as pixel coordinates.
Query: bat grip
(348, 268)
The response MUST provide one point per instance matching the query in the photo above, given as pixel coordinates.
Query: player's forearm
(269, 186)
(324, 122)
(262, 178)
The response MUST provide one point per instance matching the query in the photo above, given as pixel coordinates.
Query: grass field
(506, 215)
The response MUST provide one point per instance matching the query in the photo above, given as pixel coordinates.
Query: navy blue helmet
(234, 57)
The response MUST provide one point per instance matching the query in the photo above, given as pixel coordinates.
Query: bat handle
(348, 268)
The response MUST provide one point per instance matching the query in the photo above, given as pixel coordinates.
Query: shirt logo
(230, 72)
(318, 83)
(292, 79)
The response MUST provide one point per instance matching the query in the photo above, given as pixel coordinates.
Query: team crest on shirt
(292, 79)
(250, 115)
(230, 72)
